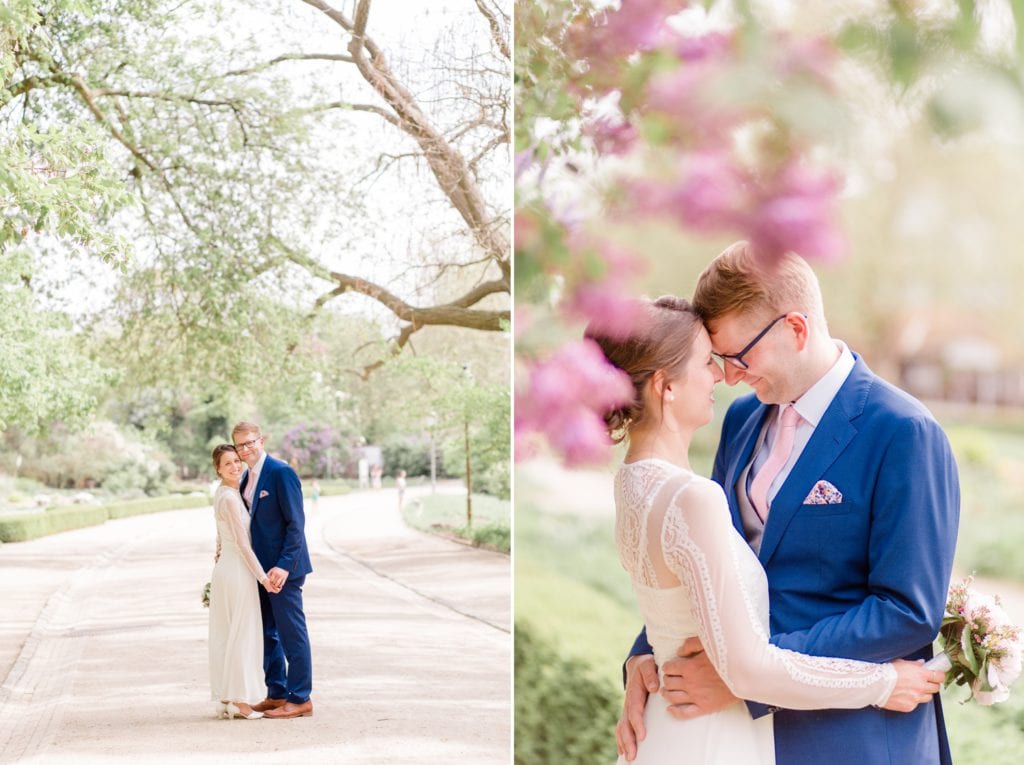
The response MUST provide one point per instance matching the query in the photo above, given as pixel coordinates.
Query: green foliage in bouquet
(206, 595)
(982, 645)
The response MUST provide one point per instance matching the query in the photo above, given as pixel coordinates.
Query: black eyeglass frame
(736, 359)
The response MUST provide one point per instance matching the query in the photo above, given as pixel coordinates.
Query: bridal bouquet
(206, 595)
(981, 647)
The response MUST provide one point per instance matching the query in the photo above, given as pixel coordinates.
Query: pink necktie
(777, 457)
(250, 489)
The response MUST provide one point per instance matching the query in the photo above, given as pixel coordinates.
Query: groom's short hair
(246, 427)
(738, 281)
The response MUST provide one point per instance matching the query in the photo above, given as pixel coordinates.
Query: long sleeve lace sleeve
(702, 549)
(229, 509)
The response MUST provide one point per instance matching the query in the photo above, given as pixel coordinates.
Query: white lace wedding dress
(693, 574)
(236, 628)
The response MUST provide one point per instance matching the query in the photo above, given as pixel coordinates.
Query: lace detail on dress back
(638, 486)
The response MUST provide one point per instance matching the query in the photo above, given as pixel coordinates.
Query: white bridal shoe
(231, 712)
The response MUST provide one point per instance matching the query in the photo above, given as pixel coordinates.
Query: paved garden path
(103, 646)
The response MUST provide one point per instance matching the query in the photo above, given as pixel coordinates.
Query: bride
(236, 627)
(694, 575)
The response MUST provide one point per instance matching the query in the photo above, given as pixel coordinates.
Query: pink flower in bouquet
(796, 215)
(981, 647)
(566, 398)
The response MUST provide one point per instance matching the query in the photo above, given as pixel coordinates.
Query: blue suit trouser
(287, 661)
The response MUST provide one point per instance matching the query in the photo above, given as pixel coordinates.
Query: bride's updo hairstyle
(662, 340)
(220, 451)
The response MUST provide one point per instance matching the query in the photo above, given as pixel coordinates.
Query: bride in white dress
(236, 627)
(694, 575)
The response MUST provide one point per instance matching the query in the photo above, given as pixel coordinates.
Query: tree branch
(448, 165)
(290, 57)
(496, 32)
(345, 105)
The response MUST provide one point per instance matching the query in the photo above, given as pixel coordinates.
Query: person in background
(400, 483)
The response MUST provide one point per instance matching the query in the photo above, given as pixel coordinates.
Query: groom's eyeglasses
(247, 444)
(736, 359)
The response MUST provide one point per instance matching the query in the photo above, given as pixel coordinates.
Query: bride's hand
(641, 680)
(914, 685)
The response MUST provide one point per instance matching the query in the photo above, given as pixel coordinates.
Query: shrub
(317, 451)
(408, 453)
(101, 455)
(492, 536)
(562, 715)
(495, 480)
(22, 527)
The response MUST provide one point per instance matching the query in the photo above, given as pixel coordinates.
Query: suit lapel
(827, 442)
(259, 484)
(747, 436)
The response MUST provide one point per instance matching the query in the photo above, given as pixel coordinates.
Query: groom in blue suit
(854, 520)
(273, 494)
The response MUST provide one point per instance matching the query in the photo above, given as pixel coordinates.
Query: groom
(273, 494)
(846, 489)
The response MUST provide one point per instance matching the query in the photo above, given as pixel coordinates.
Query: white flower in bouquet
(981, 647)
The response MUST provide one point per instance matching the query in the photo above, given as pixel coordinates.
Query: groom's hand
(277, 577)
(692, 686)
(641, 680)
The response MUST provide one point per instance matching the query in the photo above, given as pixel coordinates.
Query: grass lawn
(445, 514)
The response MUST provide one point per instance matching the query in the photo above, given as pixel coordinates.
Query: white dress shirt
(811, 406)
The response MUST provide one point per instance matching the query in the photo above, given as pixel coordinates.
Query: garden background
(239, 210)
(882, 141)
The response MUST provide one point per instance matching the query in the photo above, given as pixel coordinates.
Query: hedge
(562, 715)
(22, 527)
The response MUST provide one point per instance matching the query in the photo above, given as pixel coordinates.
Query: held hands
(692, 685)
(641, 680)
(277, 577)
(914, 685)
(269, 585)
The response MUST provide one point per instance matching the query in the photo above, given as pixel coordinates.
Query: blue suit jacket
(865, 579)
(278, 526)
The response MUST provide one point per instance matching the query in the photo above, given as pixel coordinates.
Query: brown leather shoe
(268, 704)
(290, 710)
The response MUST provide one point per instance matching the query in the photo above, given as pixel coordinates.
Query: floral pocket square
(824, 493)
(264, 493)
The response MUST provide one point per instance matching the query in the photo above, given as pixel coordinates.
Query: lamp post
(431, 422)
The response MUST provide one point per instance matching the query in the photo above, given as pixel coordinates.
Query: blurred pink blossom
(698, 47)
(612, 135)
(523, 160)
(639, 24)
(566, 398)
(814, 58)
(709, 194)
(636, 25)
(601, 301)
(796, 214)
(525, 230)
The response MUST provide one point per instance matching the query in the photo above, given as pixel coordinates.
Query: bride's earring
(670, 396)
